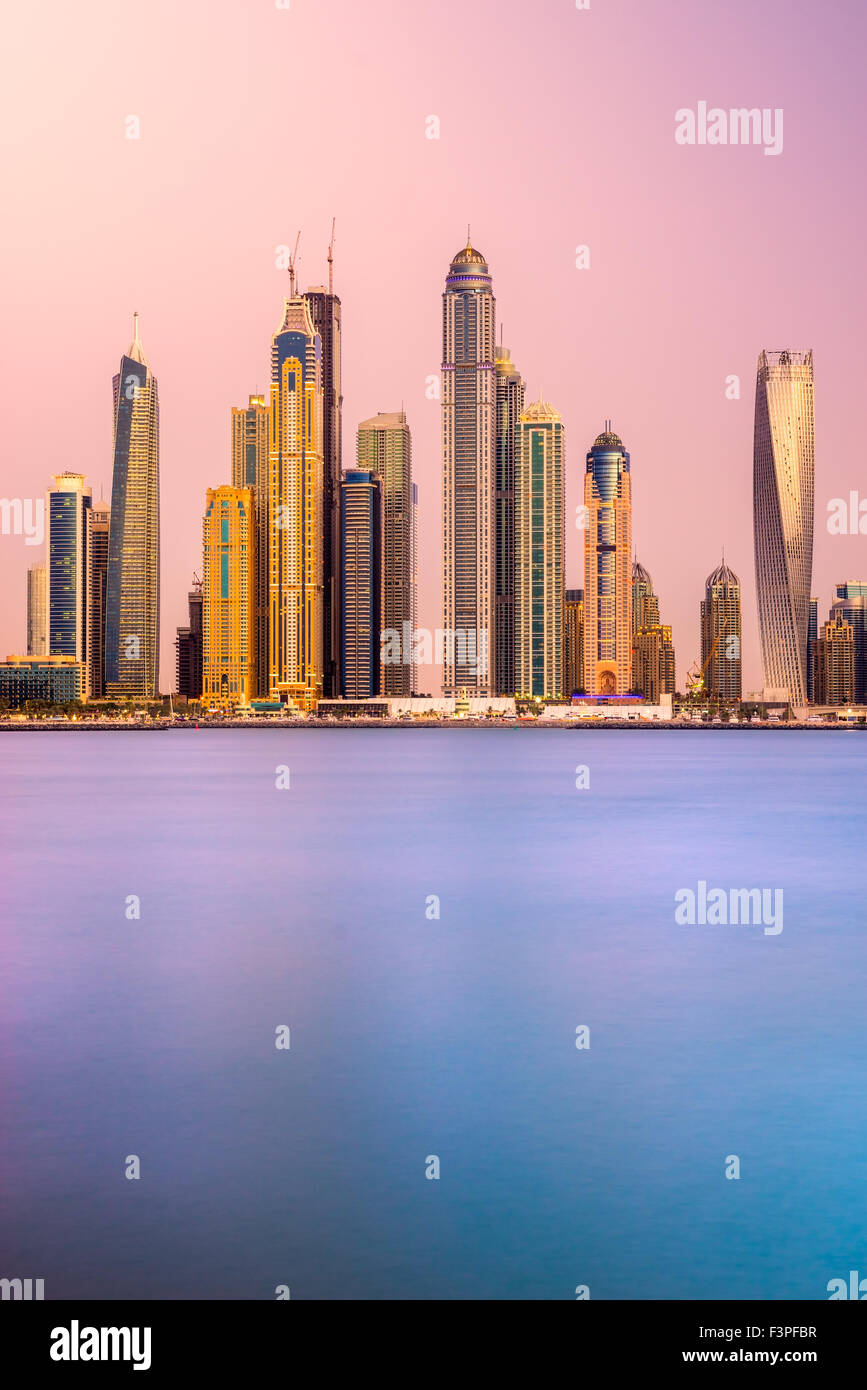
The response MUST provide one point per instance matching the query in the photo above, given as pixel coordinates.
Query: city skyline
(287, 461)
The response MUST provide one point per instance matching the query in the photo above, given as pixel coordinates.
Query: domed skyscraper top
(721, 575)
(468, 268)
(607, 439)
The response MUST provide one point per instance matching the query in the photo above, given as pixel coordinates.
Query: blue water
(414, 1036)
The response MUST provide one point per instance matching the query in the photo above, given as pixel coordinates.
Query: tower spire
(331, 258)
(136, 351)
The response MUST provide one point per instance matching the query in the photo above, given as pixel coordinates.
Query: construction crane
(292, 260)
(695, 676)
(331, 258)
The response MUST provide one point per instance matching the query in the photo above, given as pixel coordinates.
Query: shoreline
(283, 726)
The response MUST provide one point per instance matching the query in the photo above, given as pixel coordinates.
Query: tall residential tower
(539, 552)
(608, 567)
(783, 479)
(132, 604)
(295, 511)
(384, 447)
(468, 439)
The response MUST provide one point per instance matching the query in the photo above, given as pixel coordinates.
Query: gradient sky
(557, 130)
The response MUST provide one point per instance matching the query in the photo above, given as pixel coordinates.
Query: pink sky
(557, 129)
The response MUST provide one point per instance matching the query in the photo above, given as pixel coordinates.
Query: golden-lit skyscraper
(37, 610)
(721, 634)
(835, 662)
(653, 664)
(608, 567)
(539, 552)
(384, 447)
(229, 597)
(296, 511)
(132, 605)
(645, 604)
(573, 642)
(250, 444)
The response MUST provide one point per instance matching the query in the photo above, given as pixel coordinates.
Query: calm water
(413, 1037)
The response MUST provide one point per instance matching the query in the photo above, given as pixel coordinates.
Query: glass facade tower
(783, 481)
(132, 605)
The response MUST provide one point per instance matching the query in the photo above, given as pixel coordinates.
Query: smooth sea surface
(414, 1035)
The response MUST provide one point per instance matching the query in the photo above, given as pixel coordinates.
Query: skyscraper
(229, 597)
(325, 312)
(190, 652)
(539, 552)
(37, 644)
(469, 440)
(851, 603)
(812, 634)
(573, 642)
(835, 662)
(66, 509)
(98, 532)
(721, 634)
(250, 443)
(653, 662)
(414, 618)
(608, 567)
(132, 605)
(510, 404)
(385, 448)
(783, 476)
(295, 510)
(645, 604)
(361, 599)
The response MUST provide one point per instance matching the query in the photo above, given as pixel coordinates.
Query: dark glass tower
(132, 618)
(510, 404)
(325, 313)
(361, 549)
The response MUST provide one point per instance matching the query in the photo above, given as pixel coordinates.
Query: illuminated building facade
(37, 644)
(295, 511)
(229, 597)
(250, 462)
(721, 635)
(573, 642)
(608, 568)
